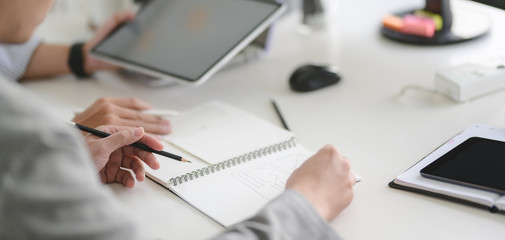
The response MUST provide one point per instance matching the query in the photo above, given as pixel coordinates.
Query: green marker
(436, 18)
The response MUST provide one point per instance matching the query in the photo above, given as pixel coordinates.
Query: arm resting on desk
(49, 188)
(48, 60)
(289, 216)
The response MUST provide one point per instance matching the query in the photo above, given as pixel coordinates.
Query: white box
(469, 81)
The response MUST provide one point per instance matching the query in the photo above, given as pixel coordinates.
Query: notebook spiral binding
(232, 162)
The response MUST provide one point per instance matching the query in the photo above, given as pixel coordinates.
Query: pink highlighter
(419, 26)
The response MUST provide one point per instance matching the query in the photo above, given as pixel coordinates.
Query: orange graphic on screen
(146, 40)
(197, 19)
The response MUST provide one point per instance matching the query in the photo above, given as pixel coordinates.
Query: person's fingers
(111, 24)
(147, 139)
(132, 114)
(145, 119)
(124, 112)
(354, 179)
(148, 158)
(113, 172)
(108, 111)
(122, 138)
(135, 164)
(86, 117)
(124, 177)
(99, 64)
(133, 103)
(118, 18)
(113, 165)
(144, 156)
(161, 129)
(91, 63)
(103, 176)
(346, 164)
(151, 142)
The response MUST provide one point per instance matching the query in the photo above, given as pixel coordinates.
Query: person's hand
(113, 153)
(326, 181)
(92, 64)
(122, 112)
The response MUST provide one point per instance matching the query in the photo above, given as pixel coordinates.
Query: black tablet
(187, 40)
(477, 163)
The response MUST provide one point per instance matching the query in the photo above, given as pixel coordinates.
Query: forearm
(48, 60)
(49, 187)
(290, 216)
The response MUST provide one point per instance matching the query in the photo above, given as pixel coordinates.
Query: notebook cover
(392, 184)
(493, 209)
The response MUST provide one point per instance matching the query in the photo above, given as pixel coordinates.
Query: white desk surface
(383, 134)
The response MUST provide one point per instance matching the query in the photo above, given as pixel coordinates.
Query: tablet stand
(146, 79)
(459, 25)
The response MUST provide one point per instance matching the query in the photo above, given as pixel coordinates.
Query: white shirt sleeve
(14, 58)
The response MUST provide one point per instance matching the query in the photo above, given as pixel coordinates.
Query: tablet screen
(185, 38)
(477, 162)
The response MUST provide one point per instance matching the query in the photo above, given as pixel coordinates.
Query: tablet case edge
(492, 209)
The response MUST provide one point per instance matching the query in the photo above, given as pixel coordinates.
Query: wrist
(86, 58)
(77, 60)
(319, 206)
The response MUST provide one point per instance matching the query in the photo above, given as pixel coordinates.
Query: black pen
(138, 145)
(278, 111)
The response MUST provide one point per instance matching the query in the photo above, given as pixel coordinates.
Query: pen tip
(358, 178)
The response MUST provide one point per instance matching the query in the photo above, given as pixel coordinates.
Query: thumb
(111, 24)
(122, 138)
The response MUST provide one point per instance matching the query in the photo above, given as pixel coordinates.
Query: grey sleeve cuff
(289, 216)
(14, 58)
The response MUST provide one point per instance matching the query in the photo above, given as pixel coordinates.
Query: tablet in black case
(477, 163)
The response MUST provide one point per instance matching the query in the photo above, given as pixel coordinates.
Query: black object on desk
(278, 111)
(138, 145)
(445, 35)
(312, 77)
(477, 163)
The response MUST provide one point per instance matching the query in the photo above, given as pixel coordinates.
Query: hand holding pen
(113, 151)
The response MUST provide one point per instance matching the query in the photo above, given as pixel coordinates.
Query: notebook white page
(170, 168)
(216, 134)
(233, 194)
(216, 131)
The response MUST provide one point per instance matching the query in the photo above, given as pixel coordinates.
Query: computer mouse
(310, 77)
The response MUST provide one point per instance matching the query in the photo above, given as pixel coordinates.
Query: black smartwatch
(76, 61)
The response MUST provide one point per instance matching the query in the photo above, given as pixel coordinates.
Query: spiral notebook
(239, 161)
